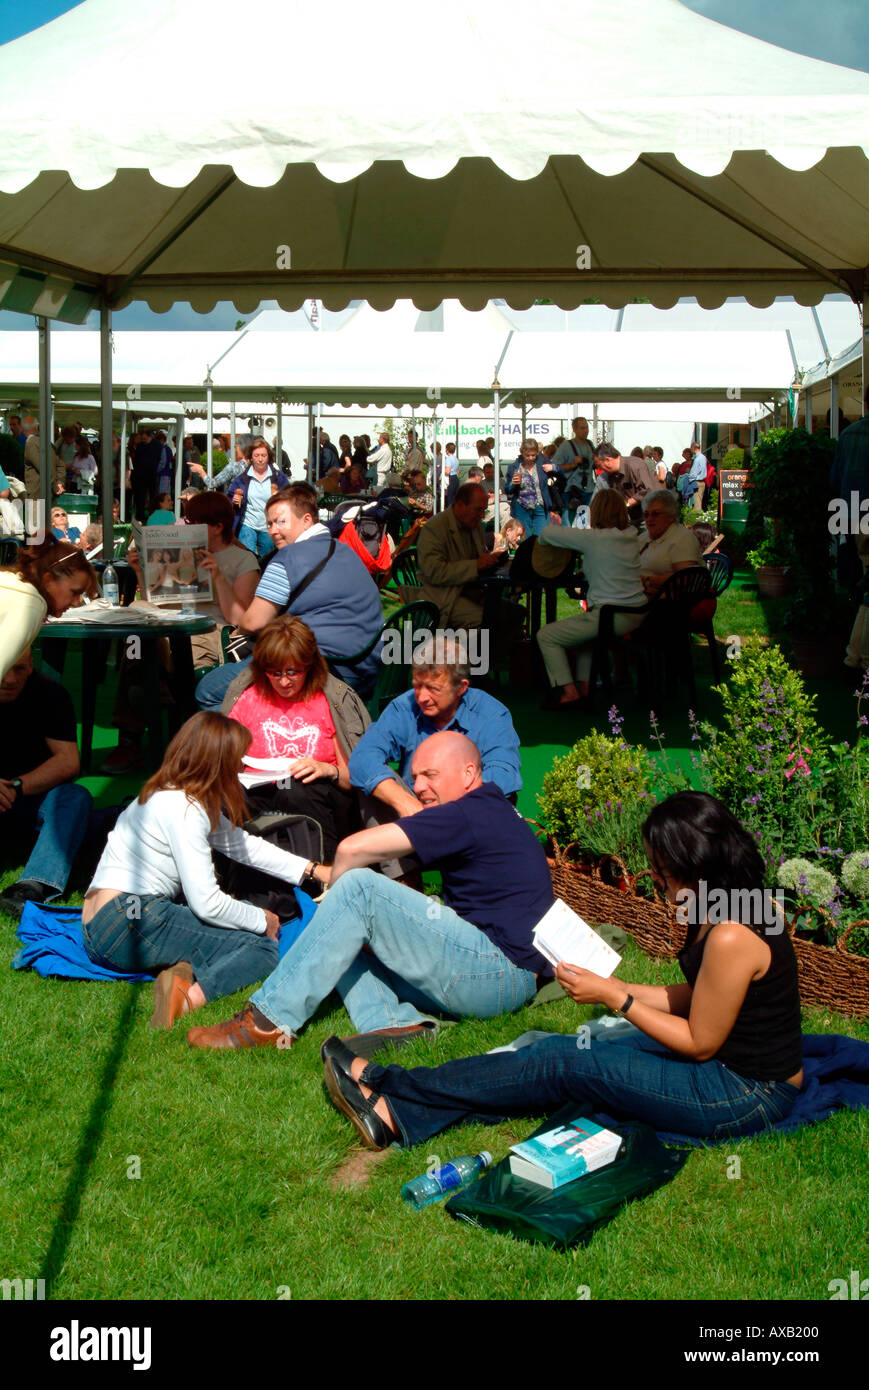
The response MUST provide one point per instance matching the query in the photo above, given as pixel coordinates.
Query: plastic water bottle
(431, 1187)
(110, 585)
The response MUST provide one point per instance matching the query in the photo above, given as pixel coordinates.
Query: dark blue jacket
(549, 489)
(243, 482)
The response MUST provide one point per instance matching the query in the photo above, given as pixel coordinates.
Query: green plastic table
(97, 638)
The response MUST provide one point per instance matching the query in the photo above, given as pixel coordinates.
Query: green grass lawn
(135, 1167)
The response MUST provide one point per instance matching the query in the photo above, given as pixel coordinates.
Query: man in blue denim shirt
(38, 761)
(441, 698)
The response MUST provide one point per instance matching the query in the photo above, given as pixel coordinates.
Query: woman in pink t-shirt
(289, 718)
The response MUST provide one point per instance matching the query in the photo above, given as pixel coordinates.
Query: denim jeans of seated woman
(533, 521)
(138, 933)
(633, 1078)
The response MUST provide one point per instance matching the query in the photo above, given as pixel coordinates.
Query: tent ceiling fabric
(428, 370)
(753, 181)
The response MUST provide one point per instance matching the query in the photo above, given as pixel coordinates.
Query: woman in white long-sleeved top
(213, 945)
(610, 550)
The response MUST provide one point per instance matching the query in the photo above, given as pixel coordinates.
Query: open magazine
(168, 558)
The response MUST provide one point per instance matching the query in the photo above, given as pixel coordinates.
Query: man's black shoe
(367, 1044)
(347, 1097)
(333, 1050)
(26, 890)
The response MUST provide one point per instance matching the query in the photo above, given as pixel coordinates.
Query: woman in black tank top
(715, 1057)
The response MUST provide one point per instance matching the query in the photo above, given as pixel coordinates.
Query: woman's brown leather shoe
(171, 988)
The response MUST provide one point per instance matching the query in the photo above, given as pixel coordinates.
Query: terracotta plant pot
(815, 656)
(773, 581)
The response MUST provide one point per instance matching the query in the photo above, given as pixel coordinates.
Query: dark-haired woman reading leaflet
(214, 944)
(718, 1056)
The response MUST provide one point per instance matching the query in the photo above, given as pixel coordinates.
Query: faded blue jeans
(260, 542)
(633, 1078)
(59, 819)
(534, 521)
(422, 956)
(143, 934)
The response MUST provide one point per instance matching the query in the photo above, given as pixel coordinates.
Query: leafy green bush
(789, 484)
(772, 550)
(598, 795)
(734, 458)
(763, 761)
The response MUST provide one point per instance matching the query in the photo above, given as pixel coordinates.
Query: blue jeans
(533, 521)
(212, 688)
(633, 1078)
(142, 934)
(260, 542)
(59, 820)
(422, 956)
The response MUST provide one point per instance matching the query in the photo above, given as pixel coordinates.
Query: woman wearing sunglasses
(294, 710)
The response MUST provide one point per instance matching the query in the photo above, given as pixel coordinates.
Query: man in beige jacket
(57, 467)
(453, 557)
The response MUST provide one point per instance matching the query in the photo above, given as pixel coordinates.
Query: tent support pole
(122, 466)
(209, 425)
(310, 442)
(496, 424)
(179, 462)
(834, 406)
(106, 426)
(39, 522)
(317, 447)
(232, 430)
(279, 432)
(809, 409)
(865, 353)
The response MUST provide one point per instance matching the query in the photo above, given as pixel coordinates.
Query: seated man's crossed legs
(421, 956)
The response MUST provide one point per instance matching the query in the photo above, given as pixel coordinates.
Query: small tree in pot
(788, 516)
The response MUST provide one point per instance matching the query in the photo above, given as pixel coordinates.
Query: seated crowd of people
(282, 780)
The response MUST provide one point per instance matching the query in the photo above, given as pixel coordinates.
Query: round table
(97, 638)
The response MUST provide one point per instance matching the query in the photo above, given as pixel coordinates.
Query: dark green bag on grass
(569, 1215)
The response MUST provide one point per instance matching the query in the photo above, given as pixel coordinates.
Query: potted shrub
(788, 515)
(593, 803)
(770, 561)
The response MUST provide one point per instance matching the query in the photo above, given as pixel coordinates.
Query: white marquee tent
(747, 173)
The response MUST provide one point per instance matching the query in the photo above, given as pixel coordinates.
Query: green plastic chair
(225, 633)
(394, 676)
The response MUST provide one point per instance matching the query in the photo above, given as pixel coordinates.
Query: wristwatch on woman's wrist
(16, 783)
(309, 883)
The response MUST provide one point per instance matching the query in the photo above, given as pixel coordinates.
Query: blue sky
(836, 30)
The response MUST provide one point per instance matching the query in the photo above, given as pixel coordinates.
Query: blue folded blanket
(52, 944)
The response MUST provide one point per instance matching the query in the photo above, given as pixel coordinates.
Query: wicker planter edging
(831, 977)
